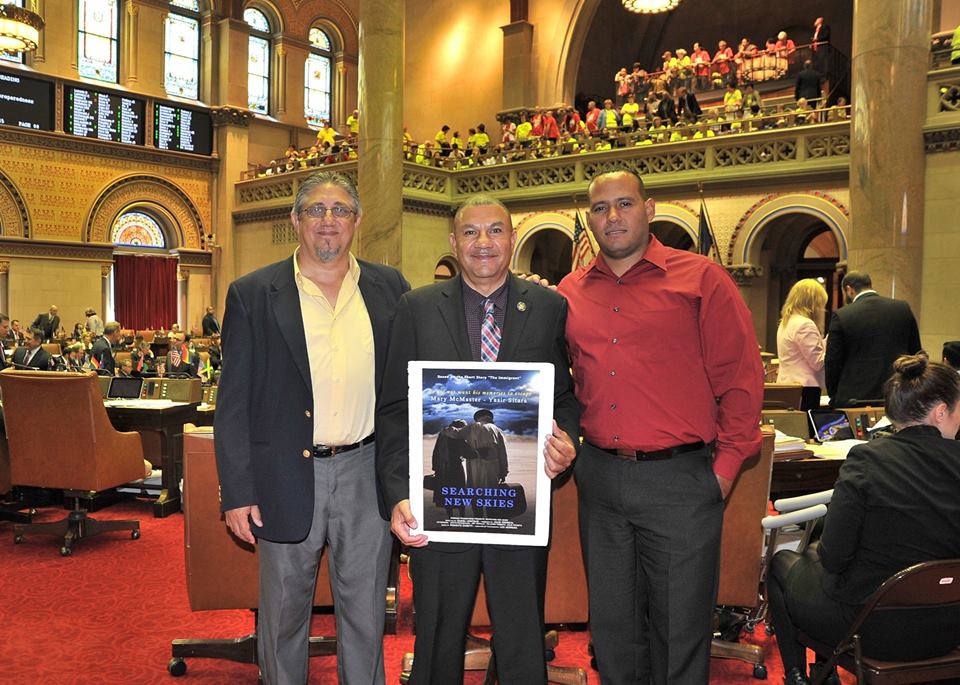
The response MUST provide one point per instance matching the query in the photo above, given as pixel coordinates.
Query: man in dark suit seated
(210, 324)
(865, 338)
(516, 321)
(101, 353)
(48, 323)
(32, 354)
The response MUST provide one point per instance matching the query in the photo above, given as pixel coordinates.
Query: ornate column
(380, 164)
(517, 58)
(231, 131)
(183, 285)
(5, 287)
(106, 294)
(231, 42)
(890, 56)
(131, 24)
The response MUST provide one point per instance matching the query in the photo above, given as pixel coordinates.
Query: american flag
(582, 247)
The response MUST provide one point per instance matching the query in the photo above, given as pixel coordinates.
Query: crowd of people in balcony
(646, 108)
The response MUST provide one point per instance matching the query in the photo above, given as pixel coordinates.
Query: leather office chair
(222, 572)
(10, 510)
(782, 395)
(82, 454)
(932, 585)
(741, 549)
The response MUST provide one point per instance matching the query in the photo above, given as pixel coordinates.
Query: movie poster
(477, 433)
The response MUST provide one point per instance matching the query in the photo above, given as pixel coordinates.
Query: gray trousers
(345, 517)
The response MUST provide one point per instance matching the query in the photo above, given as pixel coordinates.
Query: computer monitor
(830, 424)
(125, 388)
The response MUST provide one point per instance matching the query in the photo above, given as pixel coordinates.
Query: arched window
(16, 57)
(317, 78)
(137, 229)
(97, 39)
(258, 61)
(181, 49)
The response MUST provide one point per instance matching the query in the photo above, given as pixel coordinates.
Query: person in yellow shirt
(482, 139)
(732, 100)
(628, 113)
(703, 131)
(456, 141)
(353, 124)
(679, 133)
(407, 144)
(684, 69)
(658, 131)
(642, 138)
(325, 133)
(523, 131)
(441, 140)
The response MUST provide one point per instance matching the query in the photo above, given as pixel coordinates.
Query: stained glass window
(97, 39)
(137, 229)
(319, 39)
(181, 52)
(12, 56)
(316, 95)
(258, 61)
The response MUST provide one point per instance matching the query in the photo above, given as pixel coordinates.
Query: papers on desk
(787, 443)
(835, 449)
(142, 404)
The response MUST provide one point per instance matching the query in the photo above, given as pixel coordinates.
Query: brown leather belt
(327, 451)
(658, 455)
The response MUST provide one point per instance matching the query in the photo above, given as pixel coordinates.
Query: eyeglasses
(319, 211)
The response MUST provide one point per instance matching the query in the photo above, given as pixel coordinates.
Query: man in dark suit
(304, 347)
(32, 354)
(48, 323)
(101, 353)
(209, 323)
(445, 321)
(865, 338)
(687, 106)
(809, 85)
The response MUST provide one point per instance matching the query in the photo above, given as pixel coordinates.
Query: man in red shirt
(669, 379)
(593, 116)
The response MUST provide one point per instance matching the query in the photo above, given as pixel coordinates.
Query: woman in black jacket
(896, 503)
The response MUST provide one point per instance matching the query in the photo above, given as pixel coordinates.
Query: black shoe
(832, 679)
(795, 677)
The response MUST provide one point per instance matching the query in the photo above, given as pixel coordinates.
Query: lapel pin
(521, 306)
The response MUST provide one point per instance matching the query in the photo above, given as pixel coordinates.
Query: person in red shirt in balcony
(668, 375)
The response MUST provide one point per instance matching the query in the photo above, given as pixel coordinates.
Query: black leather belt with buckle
(327, 451)
(658, 455)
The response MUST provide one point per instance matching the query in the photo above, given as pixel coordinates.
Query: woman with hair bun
(896, 503)
(800, 345)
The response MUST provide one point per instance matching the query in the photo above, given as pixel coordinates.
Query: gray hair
(479, 200)
(326, 178)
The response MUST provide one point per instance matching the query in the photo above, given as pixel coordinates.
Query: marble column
(5, 287)
(380, 163)
(891, 48)
(517, 65)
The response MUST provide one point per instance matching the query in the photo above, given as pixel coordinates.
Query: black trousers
(652, 544)
(444, 591)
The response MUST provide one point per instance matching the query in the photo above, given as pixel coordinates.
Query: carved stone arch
(679, 214)
(141, 190)
(300, 15)
(14, 218)
(530, 226)
(558, 75)
(747, 239)
(274, 16)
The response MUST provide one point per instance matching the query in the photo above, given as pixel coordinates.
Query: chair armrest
(788, 504)
(794, 517)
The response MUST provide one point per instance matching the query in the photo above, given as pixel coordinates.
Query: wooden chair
(52, 348)
(10, 510)
(930, 585)
(81, 455)
(223, 573)
(741, 550)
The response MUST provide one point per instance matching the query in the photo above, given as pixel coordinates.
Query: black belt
(327, 451)
(657, 455)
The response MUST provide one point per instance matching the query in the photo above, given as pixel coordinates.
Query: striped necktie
(489, 334)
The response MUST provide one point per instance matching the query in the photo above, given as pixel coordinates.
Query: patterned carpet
(107, 614)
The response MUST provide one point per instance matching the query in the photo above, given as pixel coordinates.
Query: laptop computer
(125, 388)
(830, 424)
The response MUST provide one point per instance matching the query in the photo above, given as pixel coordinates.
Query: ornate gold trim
(47, 249)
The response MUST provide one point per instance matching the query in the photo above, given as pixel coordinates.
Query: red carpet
(107, 614)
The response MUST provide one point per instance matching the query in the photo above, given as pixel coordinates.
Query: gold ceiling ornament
(650, 6)
(19, 29)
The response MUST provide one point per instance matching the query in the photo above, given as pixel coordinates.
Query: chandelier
(19, 29)
(650, 6)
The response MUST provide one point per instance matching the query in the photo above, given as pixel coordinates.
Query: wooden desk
(800, 476)
(168, 422)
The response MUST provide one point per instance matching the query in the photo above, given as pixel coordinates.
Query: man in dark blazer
(444, 322)
(102, 349)
(687, 106)
(809, 85)
(209, 323)
(304, 347)
(865, 338)
(32, 355)
(48, 323)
